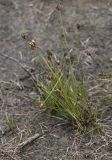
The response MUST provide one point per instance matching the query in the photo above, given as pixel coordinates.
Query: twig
(34, 137)
(28, 141)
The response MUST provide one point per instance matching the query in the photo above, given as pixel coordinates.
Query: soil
(41, 20)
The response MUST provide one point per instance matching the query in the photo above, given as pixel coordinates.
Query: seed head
(32, 44)
(41, 106)
(49, 55)
(24, 36)
(78, 26)
(56, 60)
(59, 5)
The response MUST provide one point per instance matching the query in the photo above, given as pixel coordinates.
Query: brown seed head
(24, 36)
(67, 59)
(78, 26)
(32, 44)
(49, 52)
(59, 7)
(56, 60)
(41, 106)
(49, 55)
(65, 54)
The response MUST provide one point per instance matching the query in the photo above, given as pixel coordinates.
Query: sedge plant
(66, 97)
(62, 94)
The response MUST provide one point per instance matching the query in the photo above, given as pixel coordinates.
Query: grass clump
(62, 94)
(67, 98)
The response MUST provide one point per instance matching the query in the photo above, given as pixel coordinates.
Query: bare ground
(57, 140)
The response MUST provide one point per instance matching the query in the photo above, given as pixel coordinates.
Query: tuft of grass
(10, 123)
(62, 94)
(67, 98)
